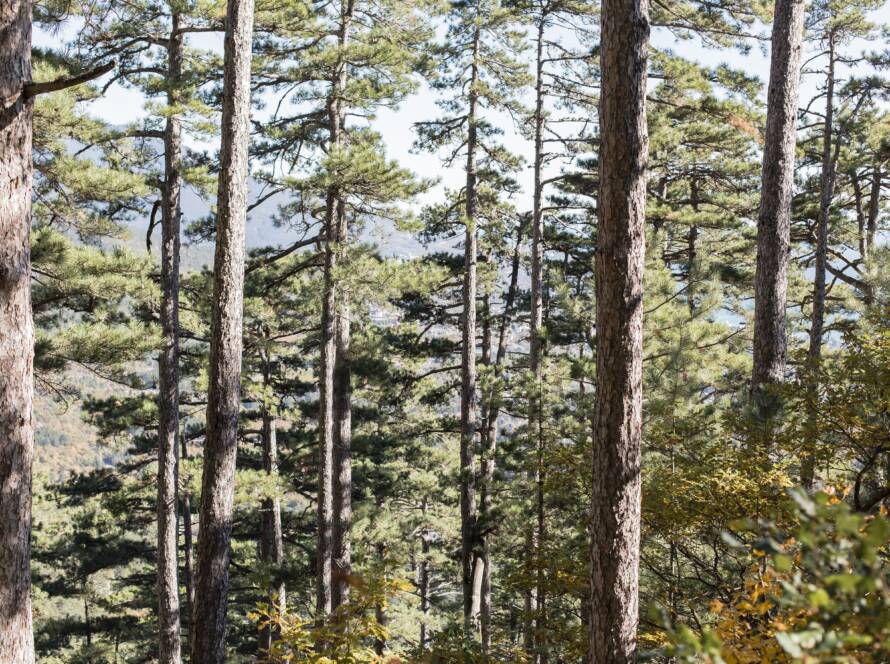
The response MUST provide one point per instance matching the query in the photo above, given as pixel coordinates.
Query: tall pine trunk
(271, 540)
(188, 545)
(490, 437)
(817, 319)
(874, 203)
(342, 378)
(335, 461)
(424, 579)
(470, 565)
(224, 391)
(535, 396)
(170, 639)
(615, 522)
(16, 335)
(325, 498)
(774, 219)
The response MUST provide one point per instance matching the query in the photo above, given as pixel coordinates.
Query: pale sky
(122, 106)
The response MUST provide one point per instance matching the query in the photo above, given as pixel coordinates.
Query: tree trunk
(774, 219)
(692, 251)
(490, 438)
(874, 203)
(424, 580)
(16, 335)
(488, 432)
(615, 522)
(335, 461)
(860, 213)
(535, 397)
(468, 371)
(540, 567)
(817, 320)
(342, 553)
(188, 546)
(380, 614)
(826, 195)
(325, 500)
(271, 541)
(224, 388)
(342, 377)
(169, 642)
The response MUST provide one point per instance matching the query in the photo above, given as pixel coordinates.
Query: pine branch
(31, 90)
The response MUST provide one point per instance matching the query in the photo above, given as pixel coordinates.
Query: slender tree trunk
(342, 550)
(323, 598)
(488, 431)
(615, 522)
(535, 396)
(490, 440)
(825, 198)
(188, 545)
(224, 392)
(468, 395)
(271, 540)
(16, 335)
(860, 213)
(541, 541)
(424, 580)
(335, 461)
(874, 203)
(170, 638)
(817, 320)
(342, 377)
(380, 614)
(692, 251)
(87, 619)
(774, 219)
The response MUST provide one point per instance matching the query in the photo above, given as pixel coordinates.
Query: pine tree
(615, 525)
(17, 341)
(838, 24)
(223, 402)
(17, 345)
(150, 47)
(489, 72)
(773, 223)
(358, 57)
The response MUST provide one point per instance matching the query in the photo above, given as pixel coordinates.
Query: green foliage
(822, 595)
(346, 636)
(743, 574)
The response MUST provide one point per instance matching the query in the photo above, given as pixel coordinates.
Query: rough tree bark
(223, 398)
(535, 396)
(874, 203)
(424, 578)
(170, 639)
(335, 423)
(470, 562)
(325, 499)
(342, 378)
(271, 541)
(774, 219)
(16, 335)
(615, 522)
(188, 545)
